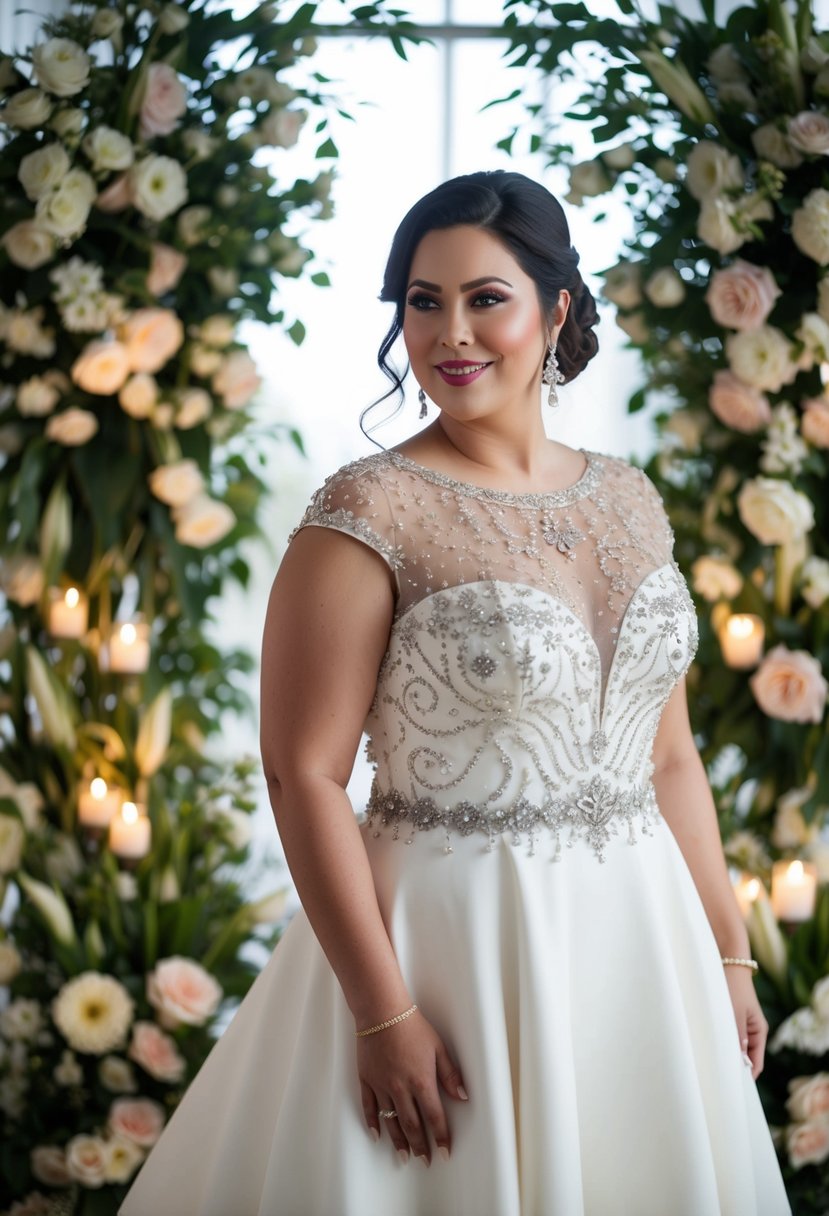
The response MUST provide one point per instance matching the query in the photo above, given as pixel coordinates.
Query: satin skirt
(588, 1010)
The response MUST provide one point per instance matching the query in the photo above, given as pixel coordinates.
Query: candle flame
(72, 597)
(98, 788)
(740, 625)
(129, 812)
(752, 889)
(128, 634)
(795, 872)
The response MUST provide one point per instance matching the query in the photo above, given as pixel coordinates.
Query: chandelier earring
(552, 375)
(424, 409)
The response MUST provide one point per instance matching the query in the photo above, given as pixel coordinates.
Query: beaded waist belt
(593, 811)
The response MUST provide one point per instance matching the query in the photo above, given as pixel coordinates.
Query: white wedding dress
(541, 910)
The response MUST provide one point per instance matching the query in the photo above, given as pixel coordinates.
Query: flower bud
(52, 907)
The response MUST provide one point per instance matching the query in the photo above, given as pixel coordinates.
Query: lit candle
(748, 890)
(68, 613)
(129, 648)
(97, 803)
(130, 833)
(741, 639)
(793, 889)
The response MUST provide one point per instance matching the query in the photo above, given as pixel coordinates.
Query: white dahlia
(93, 1012)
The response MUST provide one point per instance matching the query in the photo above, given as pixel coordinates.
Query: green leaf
(321, 279)
(327, 149)
(297, 333)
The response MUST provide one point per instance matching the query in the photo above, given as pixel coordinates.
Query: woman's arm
(326, 631)
(686, 803)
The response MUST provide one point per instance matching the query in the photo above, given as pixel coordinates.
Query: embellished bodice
(535, 642)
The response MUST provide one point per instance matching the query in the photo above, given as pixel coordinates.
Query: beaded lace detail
(535, 642)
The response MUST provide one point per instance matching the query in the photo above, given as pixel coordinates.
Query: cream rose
(157, 1053)
(588, 179)
(61, 66)
(139, 395)
(194, 405)
(715, 225)
(102, 367)
(809, 132)
(711, 170)
(68, 124)
(36, 397)
(163, 103)
(26, 110)
(64, 211)
(177, 484)
(738, 405)
(809, 1097)
(86, 1160)
(49, 1166)
(771, 144)
(93, 1013)
(774, 511)
(789, 685)
(152, 336)
(28, 244)
(236, 380)
(715, 578)
(107, 24)
(814, 425)
(203, 522)
(742, 295)
(807, 1143)
(810, 226)
(108, 149)
(158, 186)
(72, 427)
(665, 288)
(167, 266)
(43, 171)
(814, 581)
(123, 1158)
(182, 992)
(139, 1120)
(761, 357)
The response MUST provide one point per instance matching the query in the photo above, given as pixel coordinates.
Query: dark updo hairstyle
(525, 217)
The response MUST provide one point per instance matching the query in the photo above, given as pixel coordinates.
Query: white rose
(123, 1158)
(86, 1158)
(235, 825)
(177, 484)
(715, 225)
(191, 225)
(106, 24)
(813, 332)
(814, 581)
(711, 170)
(715, 578)
(809, 132)
(623, 285)
(28, 244)
(774, 511)
(61, 66)
(108, 149)
(771, 144)
(163, 103)
(203, 522)
(158, 186)
(665, 288)
(281, 128)
(10, 961)
(25, 335)
(72, 427)
(761, 357)
(102, 367)
(810, 226)
(65, 211)
(194, 406)
(26, 110)
(68, 123)
(21, 579)
(36, 397)
(12, 840)
(139, 395)
(43, 170)
(588, 178)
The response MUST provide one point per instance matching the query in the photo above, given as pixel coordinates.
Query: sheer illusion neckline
(563, 497)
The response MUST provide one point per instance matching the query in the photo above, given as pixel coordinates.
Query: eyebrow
(489, 278)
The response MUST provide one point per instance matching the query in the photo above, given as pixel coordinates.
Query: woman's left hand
(752, 1026)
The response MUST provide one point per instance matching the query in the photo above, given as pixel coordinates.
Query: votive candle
(130, 833)
(793, 889)
(97, 803)
(741, 640)
(68, 613)
(129, 648)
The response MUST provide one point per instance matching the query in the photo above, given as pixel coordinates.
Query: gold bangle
(743, 962)
(385, 1025)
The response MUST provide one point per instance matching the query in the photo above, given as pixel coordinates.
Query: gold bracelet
(385, 1025)
(743, 962)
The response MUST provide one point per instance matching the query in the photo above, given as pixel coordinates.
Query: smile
(461, 373)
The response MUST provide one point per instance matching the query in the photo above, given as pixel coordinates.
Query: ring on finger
(387, 1114)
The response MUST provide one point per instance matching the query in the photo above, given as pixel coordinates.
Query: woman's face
(473, 325)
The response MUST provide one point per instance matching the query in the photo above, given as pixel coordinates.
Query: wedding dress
(540, 908)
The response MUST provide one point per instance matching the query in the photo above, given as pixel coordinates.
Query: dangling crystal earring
(424, 409)
(552, 375)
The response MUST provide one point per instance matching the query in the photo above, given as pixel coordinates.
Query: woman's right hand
(404, 1068)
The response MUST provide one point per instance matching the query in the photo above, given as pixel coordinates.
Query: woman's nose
(456, 330)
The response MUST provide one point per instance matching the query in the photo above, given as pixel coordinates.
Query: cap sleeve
(353, 500)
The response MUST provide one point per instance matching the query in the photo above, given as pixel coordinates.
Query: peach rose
(742, 295)
(164, 101)
(86, 1160)
(72, 427)
(139, 395)
(738, 404)
(809, 1097)
(814, 425)
(101, 368)
(117, 196)
(137, 1119)
(236, 380)
(156, 1052)
(789, 684)
(152, 336)
(182, 992)
(166, 268)
(808, 1143)
(49, 1166)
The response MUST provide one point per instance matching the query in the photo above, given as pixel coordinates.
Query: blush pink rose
(48, 1163)
(236, 380)
(156, 1052)
(151, 336)
(165, 100)
(814, 424)
(789, 684)
(86, 1160)
(137, 1119)
(182, 992)
(117, 196)
(808, 1143)
(742, 295)
(166, 268)
(738, 404)
(809, 1097)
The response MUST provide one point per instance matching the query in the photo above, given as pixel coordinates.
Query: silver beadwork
(424, 409)
(552, 375)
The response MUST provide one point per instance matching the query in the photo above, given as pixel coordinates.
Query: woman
(526, 968)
